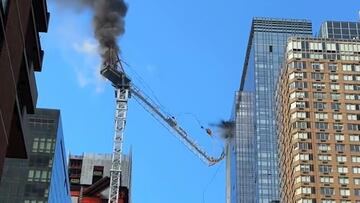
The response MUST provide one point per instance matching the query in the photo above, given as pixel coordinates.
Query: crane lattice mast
(114, 72)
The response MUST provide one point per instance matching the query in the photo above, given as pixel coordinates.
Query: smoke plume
(226, 129)
(108, 21)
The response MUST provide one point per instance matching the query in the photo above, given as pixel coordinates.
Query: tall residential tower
(318, 114)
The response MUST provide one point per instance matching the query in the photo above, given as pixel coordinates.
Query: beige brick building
(318, 121)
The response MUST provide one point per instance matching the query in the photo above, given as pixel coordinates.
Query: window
(304, 179)
(356, 181)
(335, 96)
(351, 107)
(316, 46)
(35, 145)
(325, 169)
(354, 127)
(348, 77)
(321, 125)
(334, 86)
(294, 95)
(326, 179)
(355, 148)
(302, 146)
(322, 136)
(344, 192)
(336, 116)
(321, 115)
(324, 147)
(346, 67)
(299, 115)
(298, 84)
(324, 157)
(357, 192)
(30, 175)
(317, 76)
(301, 124)
(335, 106)
(298, 104)
(352, 117)
(304, 168)
(331, 47)
(340, 147)
(341, 158)
(354, 138)
(317, 85)
(339, 137)
(328, 201)
(352, 96)
(349, 87)
(356, 170)
(298, 75)
(355, 159)
(319, 95)
(326, 191)
(304, 190)
(332, 67)
(320, 105)
(301, 135)
(303, 157)
(343, 180)
(338, 126)
(305, 201)
(343, 169)
(333, 77)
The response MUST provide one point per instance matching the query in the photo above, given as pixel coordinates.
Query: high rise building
(256, 148)
(318, 116)
(43, 176)
(340, 30)
(90, 178)
(20, 55)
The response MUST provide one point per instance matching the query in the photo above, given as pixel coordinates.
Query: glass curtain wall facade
(42, 178)
(264, 58)
(242, 150)
(340, 30)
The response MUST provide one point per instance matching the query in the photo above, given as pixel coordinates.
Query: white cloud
(88, 47)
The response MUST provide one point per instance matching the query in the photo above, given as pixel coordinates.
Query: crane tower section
(113, 71)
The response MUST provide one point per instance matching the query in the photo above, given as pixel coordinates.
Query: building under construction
(89, 176)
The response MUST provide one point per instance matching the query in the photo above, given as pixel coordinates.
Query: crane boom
(171, 124)
(114, 72)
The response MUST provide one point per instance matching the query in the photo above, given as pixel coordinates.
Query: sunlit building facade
(318, 116)
(254, 163)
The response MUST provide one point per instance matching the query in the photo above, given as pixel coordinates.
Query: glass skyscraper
(340, 30)
(253, 157)
(42, 178)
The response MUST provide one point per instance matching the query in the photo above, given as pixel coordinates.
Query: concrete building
(89, 176)
(253, 164)
(43, 176)
(318, 118)
(20, 55)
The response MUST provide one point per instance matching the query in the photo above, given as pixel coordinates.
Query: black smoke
(226, 129)
(108, 21)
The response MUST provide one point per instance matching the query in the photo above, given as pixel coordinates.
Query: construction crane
(113, 71)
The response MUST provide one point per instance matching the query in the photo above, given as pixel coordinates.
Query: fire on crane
(114, 72)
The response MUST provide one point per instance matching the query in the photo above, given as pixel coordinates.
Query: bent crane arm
(171, 124)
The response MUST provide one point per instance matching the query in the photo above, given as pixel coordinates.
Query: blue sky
(186, 53)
